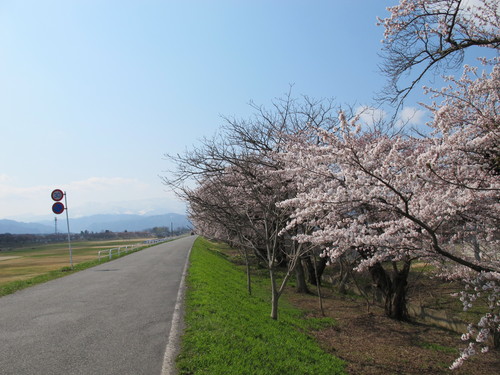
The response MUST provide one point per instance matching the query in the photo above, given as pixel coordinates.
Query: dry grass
(26, 263)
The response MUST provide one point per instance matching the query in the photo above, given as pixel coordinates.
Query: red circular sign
(57, 195)
(58, 208)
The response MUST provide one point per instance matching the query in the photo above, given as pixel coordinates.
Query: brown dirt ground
(373, 344)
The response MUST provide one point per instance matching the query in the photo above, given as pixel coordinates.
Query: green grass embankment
(230, 332)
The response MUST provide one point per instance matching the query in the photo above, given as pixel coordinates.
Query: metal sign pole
(69, 237)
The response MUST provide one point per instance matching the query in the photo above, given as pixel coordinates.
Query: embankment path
(111, 319)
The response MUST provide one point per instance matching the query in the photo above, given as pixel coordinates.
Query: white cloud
(4, 178)
(411, 116)
(87, 197)
(8, 191)
(370, 115)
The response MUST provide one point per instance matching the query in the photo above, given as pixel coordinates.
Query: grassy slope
(230, 332)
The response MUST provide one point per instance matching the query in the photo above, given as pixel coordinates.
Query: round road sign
(57, 195)
(58, 208)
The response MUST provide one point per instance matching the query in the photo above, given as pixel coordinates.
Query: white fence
(158, 240)
(115, 250)
(125, 249)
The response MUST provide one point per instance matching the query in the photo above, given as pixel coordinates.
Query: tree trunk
(394, 291)
(249, 280)
(399, 295)
(318, 286)
(314, 274)
(477, 249)
(274, 295)
(384, 284)
(301, 278)
(344, 275)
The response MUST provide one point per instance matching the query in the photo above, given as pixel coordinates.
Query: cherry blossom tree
(397, 198)
(216, 213)
(237, 168)
(431, 36)
(466, 126)
(466, 155)
(242, 201)
(391, 198)
(353, 185)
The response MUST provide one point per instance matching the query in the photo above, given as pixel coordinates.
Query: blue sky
(93, 93)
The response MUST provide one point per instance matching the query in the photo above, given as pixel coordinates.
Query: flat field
(27, 262)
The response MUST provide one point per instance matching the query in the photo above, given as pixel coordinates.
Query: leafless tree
(424, 37)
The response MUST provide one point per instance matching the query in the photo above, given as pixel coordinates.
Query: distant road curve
(111, 319)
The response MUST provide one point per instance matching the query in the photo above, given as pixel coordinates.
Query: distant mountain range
(97, 223)
(16, 227)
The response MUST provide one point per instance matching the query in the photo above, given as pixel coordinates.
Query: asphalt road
(111, 319)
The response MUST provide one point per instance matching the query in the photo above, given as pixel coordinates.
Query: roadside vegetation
(228, 331)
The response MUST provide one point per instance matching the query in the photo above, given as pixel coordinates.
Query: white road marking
(168, 367)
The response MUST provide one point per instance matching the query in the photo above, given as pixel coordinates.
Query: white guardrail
(116, 250)
(125, 249)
